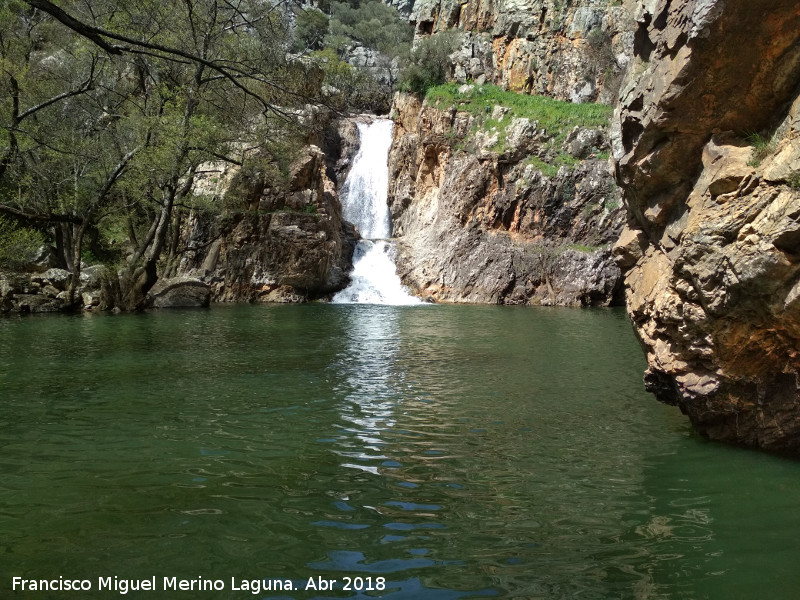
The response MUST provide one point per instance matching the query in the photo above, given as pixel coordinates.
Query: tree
(311, 28)
(429, 63)
(113, 106)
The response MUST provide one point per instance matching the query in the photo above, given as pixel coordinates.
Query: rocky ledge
(707, 144)
(284, 243)
(484, 213)
(574, 50)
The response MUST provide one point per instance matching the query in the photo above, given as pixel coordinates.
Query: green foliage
(583, 248)
(550, 169)
(19, 246)
(311, 28)
(104, 145)
(546, 168)
(555, 117)
(762, 147)
(347, 87)
(374, 24)
(429, 63)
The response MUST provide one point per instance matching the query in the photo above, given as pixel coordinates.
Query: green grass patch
(18, 245)
(762, 147)
(551, 168)
(584, 248)
(557, 118)
(545, 168)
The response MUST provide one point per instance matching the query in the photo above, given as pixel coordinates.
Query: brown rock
(488, 227)
(714, 295)
(293, 245)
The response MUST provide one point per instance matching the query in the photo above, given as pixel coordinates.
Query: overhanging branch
(102, 38)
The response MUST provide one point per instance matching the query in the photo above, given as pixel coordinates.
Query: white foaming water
(374, 277)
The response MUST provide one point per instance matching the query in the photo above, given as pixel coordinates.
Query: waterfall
(374, 277)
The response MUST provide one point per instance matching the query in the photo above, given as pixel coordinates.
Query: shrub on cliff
(347, 87)
(311, 28)
(373, 24)
(429, 64)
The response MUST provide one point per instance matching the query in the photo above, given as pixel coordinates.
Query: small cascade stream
(374, 278)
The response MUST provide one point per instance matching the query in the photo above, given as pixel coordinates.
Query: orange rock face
(712, 246)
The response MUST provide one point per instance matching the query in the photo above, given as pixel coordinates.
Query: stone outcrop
(267, 239)
(712, 248)
(179, 292)
(569, 50)
(476, 223)
(282, 243)
(46, 291)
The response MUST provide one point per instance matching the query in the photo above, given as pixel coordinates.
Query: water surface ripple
(457, 451)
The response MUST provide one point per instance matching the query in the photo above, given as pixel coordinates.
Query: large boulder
(179, 292)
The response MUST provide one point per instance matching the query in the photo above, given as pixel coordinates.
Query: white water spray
(374, 277)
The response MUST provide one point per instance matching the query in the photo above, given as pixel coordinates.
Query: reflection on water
(457, 452)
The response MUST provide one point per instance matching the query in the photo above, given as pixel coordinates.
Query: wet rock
(36, 303)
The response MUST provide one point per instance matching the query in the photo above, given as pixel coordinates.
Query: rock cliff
(569, 50)
(478, 220)
(285, 243)
(707, 146)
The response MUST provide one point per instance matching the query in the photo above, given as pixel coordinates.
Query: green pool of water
(443, 451)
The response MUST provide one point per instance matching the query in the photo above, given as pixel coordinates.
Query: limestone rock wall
(712, 247)
(568, 50)
(480, 225)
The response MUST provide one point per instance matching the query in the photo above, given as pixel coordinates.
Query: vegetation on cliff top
(359, 45)
(556, 118)
(429, 64)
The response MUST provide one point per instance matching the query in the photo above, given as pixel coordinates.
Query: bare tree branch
(43, 218)
(101, 38)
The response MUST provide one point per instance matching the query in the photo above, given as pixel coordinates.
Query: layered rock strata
(479, 224)
(712, 249)
(569, 50)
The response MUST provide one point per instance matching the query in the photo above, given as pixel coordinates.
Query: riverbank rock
(712, 247)
(280, 241)
(46, 291)
(179, 292)
(479, 221)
